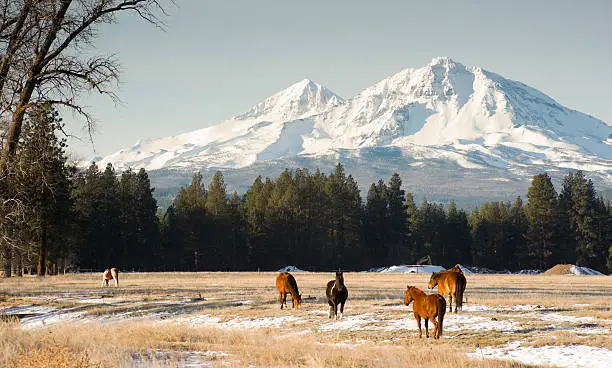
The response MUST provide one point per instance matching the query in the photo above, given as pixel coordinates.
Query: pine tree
(375, 223)
(397, 223)
(189, 226)
(582, 208)
(519, 225)
(457, 236)
(544, 221)
(41, 180)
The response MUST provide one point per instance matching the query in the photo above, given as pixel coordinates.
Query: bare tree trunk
(40, 271)
(6, 260)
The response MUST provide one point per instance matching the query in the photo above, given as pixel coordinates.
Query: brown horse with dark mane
(285, 283)
(336, 293)
(452, 283)
(427, 307)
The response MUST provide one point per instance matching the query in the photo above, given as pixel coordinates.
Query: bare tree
(43, 47)
(44, 59)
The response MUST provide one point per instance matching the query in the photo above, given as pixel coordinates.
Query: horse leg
(456, 303)
(331, 309)
(427, 327)
(282, 298)
(336, 310)
(435, 332)
(450, 302)
(342, 308)
(418, 319)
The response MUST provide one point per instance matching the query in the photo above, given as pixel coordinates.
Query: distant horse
(452, 283)
(110, 274)
(336, 293)
(427, 307)
(285, 283)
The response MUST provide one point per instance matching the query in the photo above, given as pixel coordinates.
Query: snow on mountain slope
(235, 142)
(444, 110)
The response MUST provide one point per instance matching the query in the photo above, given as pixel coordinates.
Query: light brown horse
(110, 274)
(285, 283)
(427, 307)
(452, 283)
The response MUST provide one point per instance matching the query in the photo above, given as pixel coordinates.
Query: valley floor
(234, 320)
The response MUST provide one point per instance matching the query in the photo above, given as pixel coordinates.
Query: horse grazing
(336, 293)
(427, 307)
(452, 283)
(110, 274)
(285, 283)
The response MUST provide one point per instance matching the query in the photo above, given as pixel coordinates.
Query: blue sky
(216, 59)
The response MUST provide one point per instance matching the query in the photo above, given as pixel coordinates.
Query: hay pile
(560, 269)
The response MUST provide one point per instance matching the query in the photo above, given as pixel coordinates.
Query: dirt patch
(560, 269)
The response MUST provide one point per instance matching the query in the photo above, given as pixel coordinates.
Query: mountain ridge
(466, 115)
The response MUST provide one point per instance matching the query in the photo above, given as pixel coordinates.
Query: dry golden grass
(134, 333)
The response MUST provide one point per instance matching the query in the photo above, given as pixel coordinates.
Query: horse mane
(293, 286)
(416, 290)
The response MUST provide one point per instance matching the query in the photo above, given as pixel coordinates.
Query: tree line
(92, 219)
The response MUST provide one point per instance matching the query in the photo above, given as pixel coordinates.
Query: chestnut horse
(427, 307)
(110, 274)
(452, 283)
(285, 283)
(336, 293)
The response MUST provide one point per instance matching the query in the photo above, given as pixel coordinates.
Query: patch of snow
(578, 270)
(357, 322)
(47, 319)
(412, 269)
(528, 272)
(239, 323)
(291, 269)
(462, 321)
(562, 356)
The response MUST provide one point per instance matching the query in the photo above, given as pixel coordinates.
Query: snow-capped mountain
(445, 111)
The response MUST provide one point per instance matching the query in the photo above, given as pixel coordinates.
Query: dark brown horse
(452, 283)
(336, 293)
(427, 307)
(285, 283)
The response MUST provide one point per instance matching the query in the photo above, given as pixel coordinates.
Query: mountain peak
(299, 99)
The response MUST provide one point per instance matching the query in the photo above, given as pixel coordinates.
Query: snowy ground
(558, 332)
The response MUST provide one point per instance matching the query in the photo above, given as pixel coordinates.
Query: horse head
(433, 280)
(339, 278)
(407, 297)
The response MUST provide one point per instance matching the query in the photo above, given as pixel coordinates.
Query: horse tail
(441, 312)
(460, 287)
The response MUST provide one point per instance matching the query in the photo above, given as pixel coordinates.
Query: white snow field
(561, 356)
(444, 110)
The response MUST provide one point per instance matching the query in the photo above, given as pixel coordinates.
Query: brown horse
(452, 283)
(336, 293)
(110, 274)
(285, 283)
(455, 268)
(427, 307)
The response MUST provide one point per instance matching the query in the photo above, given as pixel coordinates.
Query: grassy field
(234, 319)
